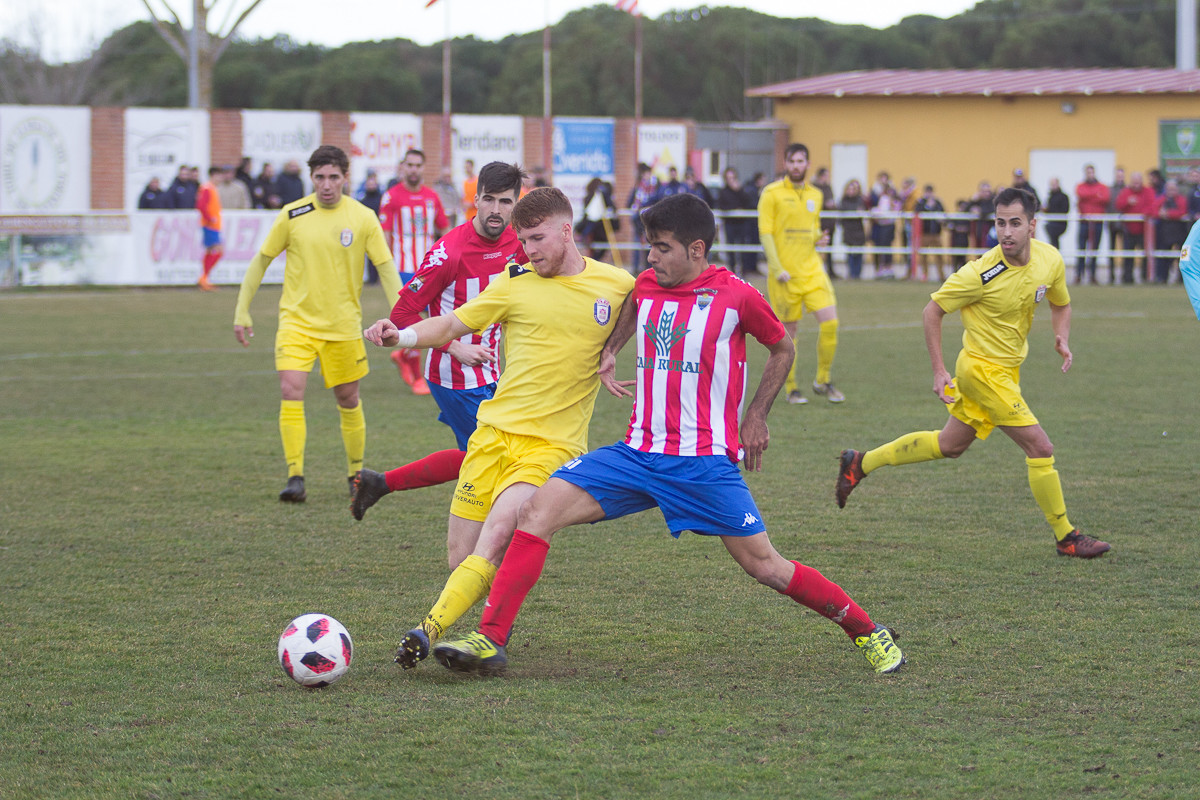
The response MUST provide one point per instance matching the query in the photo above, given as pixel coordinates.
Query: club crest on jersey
(602, 311)
(1039, 294)
(704, 297)
(1183, 254)
(347, 237)
(811, 205)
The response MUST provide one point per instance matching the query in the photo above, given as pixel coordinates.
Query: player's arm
(766, 235)
(755, 435)
(243, 325)
(431, 332)
(932, 318)
(622, 331)
(1060, 321)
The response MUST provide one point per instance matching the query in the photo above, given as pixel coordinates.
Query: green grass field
(147, 569)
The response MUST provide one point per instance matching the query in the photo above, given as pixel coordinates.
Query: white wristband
(408, 337)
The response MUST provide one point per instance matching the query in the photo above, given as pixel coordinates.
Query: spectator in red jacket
(1091, 198)
(1136, 198)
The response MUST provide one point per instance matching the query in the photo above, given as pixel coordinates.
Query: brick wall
(225, 143)
(335, 129)
(108, 158)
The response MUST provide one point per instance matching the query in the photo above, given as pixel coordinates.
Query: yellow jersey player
(789, 226)
(326, 236)
(556, 313)
(997, 295)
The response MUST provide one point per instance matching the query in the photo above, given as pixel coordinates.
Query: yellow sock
(911, 448)
(826, 348)
(467, 585)
(293, 432)
(354, 437)
(1047, 491)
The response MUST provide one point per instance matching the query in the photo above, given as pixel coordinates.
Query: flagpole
(446, 90)
(637, 67)
(547, 109)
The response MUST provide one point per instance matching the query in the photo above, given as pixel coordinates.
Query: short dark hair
(215, 170)
(685, 217)
(412, 151)
(498, 177)
(1029, 203)
(795, 147)
(327, 154)
(539, 205)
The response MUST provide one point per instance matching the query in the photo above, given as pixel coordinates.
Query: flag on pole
(1189, 267)
(622, 5)
(431, 2)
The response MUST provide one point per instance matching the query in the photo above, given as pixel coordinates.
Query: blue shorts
(702, 494)
(460, 408)
(405, 277)
(212, 237)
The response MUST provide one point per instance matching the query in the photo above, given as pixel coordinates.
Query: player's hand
(244, 334)
(941, 382)
(783, 276)
(471, 355)
(383, 333)
(824, 240)
(608, 377)
(755, 438)
(1060, 344)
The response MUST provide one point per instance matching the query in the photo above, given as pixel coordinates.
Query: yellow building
(955, 128)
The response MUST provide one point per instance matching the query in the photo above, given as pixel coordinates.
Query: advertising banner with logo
(45, 159)
(662, 146)
(1179, 146)
(583, 149)
(160, 140)
(483, 139)
(276, 137)
(378, 142)
(167, 250)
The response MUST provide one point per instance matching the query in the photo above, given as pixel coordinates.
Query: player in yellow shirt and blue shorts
(557, 313)
(996, 295)
(789, 226)
(326, 236)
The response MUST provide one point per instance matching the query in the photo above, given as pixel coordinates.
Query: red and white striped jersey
(456, 269)
(411, 220)
(691, 362)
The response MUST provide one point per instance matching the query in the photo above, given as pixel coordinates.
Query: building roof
(986, 83)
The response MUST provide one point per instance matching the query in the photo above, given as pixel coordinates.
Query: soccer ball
(315, 650)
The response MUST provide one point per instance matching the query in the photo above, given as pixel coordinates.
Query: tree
(199, 48)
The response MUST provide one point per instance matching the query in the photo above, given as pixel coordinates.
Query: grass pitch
(147, 569)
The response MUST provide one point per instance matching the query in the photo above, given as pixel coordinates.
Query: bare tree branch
(172, 35)
(224, 38)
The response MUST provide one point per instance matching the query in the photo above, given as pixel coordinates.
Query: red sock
(519, 571)
(210, 261)
(433, 469)
(812, 589)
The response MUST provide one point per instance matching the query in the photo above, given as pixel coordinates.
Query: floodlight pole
(1185, 34)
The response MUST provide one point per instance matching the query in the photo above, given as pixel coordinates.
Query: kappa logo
(991, 273)
(749, 520)
(437, 256)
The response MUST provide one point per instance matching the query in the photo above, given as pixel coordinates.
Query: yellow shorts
(496, 460)
(987, 396)
(788, 300)
(341, 361)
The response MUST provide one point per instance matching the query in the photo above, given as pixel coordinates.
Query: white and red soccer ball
(315, 650)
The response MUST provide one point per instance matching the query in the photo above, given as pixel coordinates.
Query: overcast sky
(68, 29)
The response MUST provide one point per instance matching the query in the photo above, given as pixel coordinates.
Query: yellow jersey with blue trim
(323, 276)
(997, 300)
(791, 214)
(554, 329)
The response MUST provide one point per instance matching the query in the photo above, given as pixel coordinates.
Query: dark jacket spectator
(153, 196)
(854, 233)
(289, 185)
(1057, 202)
(266, 189)
(183, 189)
